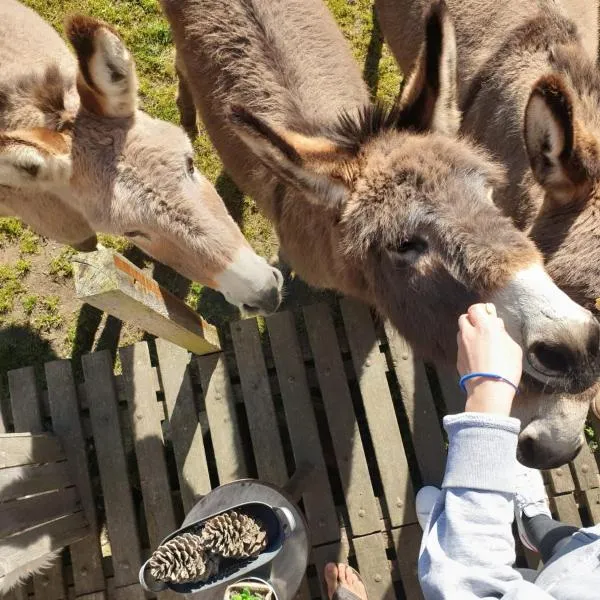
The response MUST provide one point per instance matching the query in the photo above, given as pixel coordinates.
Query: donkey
(77, 157)
(382, 205)
(529, 93)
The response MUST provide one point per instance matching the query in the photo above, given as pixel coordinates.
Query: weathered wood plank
(219, 401)
(20, 449)
(420, 408)
(112, 284)
(16, 482)
(566, 509)
(454, 397)
(120, 514)
(185, 428)
(373, 565)
(149, 445)
(303, 592)
(264, 430)
(585, 469)
(24, 513)
(302, 427)
(27, 417)
(407, 542)
(345, 435)
(133, 592)
(561, 480)
(66, 423)
(381, 416)
(592, 501)
(38, 542)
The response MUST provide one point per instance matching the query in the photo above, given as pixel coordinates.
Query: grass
(61, 266)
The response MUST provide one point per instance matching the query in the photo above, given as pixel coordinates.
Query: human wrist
(489, 396)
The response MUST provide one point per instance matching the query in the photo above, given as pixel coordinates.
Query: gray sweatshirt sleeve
(468, 548)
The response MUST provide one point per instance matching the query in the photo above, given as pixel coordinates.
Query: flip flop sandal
(343, 593)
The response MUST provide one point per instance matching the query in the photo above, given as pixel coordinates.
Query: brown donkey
(382, 205)
(77, 157)
(530, 93)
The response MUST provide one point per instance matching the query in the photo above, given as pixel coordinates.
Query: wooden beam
(112, 284)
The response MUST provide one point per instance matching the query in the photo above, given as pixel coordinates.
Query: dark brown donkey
(382, 205)
(78, 157)
(529, 92)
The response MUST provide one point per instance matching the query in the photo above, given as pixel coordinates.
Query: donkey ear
(316, 166)
(34, 158)
(106, 81)
(558, 159)
(429, 100)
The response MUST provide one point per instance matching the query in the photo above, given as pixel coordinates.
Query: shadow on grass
(232, 197)
(374, 51)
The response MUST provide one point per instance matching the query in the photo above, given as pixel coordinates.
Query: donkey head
(415, 231)
(132, 175)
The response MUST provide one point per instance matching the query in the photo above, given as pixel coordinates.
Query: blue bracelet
(468, 376)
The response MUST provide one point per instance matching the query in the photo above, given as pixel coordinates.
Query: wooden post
(112, 284)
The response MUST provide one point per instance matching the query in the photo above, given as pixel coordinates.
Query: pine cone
(234, 535)
(183, 559)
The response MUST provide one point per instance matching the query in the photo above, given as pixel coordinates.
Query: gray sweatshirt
(468, 550)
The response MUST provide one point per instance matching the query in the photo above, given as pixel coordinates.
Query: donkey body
(382, 205)
(77, 157)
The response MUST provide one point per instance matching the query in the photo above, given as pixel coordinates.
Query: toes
(331, 578)
(343, 574)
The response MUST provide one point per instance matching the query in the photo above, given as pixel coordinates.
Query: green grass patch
(61, 266)
(10, 230)
(29, 242)
(29, 303)
(48, 315)
(10, 284)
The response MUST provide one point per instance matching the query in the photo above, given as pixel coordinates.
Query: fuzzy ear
(315, 165)
(106, 81)
(429, 100)
(34, 158)
(558, 151)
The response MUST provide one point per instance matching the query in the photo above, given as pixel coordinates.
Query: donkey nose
(535, 454)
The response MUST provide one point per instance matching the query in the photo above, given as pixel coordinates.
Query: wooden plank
(264, 430)
(86, 557)
(20, 449)
(592, 501)
(420, 408)
(566, 509)
(407, 542)
(585, 469)
(149, 445)
(184, 426)
(38, 542)
(561, 480)
(219, 401)
(302, 427)
(373, 565)
(454, 397)
(343, 428)
(381, 416)
(118, 502)
(27, 417)
(24, 400)
(135, 592)
(112, 284)
(19, 515)
(16, 482)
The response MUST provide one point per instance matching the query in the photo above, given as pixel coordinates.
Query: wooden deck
(348, 399)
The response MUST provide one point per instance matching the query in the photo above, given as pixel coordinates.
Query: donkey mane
(354, 128)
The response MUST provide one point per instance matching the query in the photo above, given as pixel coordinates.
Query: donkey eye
(189, 166)
(136, 233)
(408, 251)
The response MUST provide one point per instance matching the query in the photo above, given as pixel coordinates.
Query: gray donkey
(382, 205)
(529, 92)
(77, 157)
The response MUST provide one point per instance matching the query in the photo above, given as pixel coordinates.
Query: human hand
(485, 346)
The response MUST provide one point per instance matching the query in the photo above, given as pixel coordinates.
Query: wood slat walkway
(346, 397)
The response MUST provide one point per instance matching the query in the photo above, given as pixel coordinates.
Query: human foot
(530, 500)
(344, 583)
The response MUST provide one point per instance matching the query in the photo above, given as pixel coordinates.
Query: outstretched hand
(485, 346)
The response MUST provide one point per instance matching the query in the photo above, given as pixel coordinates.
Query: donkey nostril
(526, 450)
(250, 308)
(557, 359)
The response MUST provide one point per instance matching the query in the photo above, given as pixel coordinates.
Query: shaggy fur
(117, 170)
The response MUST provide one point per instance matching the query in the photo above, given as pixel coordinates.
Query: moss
(29, 303)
